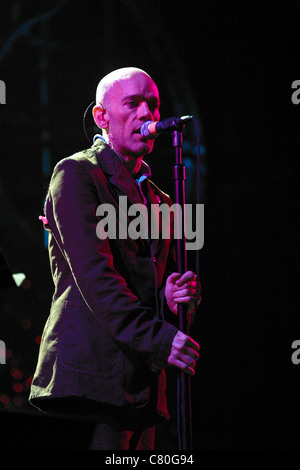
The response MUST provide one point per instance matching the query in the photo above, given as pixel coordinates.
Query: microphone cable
(198, 201)
(189, 393)
(84, 119)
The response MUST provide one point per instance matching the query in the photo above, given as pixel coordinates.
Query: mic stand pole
(184, 389)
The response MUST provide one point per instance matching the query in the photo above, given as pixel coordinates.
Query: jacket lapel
(118, 175)
(119, 178)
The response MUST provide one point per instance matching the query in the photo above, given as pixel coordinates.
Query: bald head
(107, 83)
(125, 99)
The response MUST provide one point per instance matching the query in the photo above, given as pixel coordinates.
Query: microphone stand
(184, 386)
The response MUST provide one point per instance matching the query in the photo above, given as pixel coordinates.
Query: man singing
(106, 342)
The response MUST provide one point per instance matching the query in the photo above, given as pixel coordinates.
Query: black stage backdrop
(230, 64)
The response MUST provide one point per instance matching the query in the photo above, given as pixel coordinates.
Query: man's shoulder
(89, 158)
(86, 157)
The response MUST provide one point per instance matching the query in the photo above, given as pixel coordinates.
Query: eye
(153, 105)
(132, 103)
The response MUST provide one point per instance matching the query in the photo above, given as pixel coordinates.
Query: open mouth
(138, 132)
(143, 138)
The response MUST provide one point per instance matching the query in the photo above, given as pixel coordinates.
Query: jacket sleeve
(71, 213)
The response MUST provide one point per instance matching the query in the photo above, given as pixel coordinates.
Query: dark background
(230, 64)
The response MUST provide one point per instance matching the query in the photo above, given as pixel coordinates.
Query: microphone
(152, 129)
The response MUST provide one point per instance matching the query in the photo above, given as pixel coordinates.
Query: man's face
(129, 104)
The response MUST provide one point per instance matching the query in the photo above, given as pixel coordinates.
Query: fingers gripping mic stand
(184, 387)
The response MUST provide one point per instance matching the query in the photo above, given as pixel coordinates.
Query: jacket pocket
(86, 348)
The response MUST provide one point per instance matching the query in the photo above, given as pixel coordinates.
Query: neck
(133, 164)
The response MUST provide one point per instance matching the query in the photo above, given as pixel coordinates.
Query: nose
(144, 111)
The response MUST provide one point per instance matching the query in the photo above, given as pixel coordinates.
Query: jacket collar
(117, 172)
(120, 178)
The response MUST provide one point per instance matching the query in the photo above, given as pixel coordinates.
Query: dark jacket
(105, 338)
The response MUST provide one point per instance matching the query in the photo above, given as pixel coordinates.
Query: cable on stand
(184, 411)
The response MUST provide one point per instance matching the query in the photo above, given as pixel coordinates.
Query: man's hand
(184, 353)
(182, 289)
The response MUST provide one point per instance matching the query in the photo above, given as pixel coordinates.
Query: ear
(100, 117)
